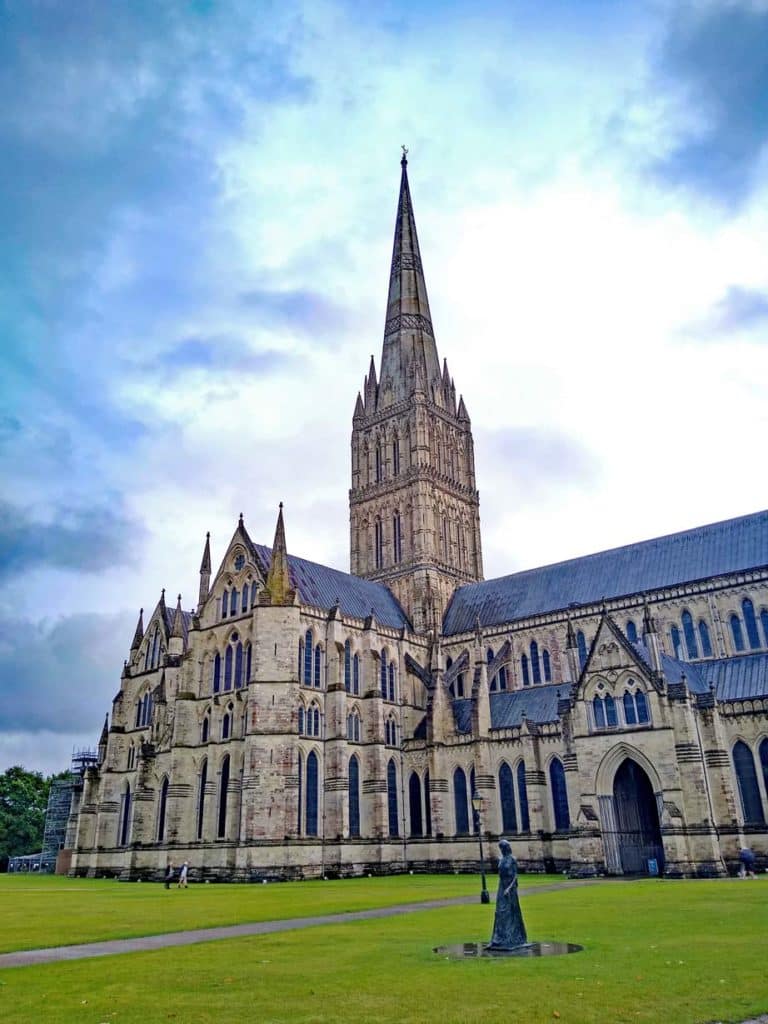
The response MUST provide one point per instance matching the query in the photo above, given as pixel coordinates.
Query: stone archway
(631, 828)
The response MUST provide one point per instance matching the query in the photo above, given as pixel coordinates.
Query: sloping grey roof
(538, 702)
(737, 678)
(713, 550)
(321, 587)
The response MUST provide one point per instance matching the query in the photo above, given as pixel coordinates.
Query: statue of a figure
(508, 927)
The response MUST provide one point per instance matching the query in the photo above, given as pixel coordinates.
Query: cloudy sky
(196, 211)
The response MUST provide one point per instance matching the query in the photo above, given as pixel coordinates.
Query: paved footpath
(55, 954)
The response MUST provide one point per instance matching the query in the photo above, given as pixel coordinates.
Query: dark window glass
(238, 666)
(690, 635)
(763, 752)
(750, 623)
(301, 721)
(391, 681)
(428, 808)
(610, 711)
(233, 601)
(599, 709)
(356, 674)
(394, 826)
(559, 795)
(535, 667)
(161, 815)
(245, 598)
(201, 799)
(383, 670)
(547, 667)
(228, 668)
(225, 727)
(524, 666)
(749, 790)
(677, 647)
(631, 632)
(221, 830)
(706, 646)
(736, 633)
(581, 644)
(630, 713)
(347, 666)
(300, 803)
(125, 817)
(248, 653)
(507, 797)
(460, 802)
(318, 659)
(308, 648)
(642, 707)
(312, 794)
(225, 604)
(764, 621)
(354, 796)
(206, 728)
(414, 804)
(522, 793)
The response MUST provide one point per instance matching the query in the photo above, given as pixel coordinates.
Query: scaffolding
(59, 806)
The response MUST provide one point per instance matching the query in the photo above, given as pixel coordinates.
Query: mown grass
(655, 952)
(49, 911)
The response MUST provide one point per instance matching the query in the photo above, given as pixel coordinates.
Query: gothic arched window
(749, 790)
(312, 794)
(125, 816)
(206, 728)
(736, 633)
(383, 672)
(559, 795)
(706, 646)
(391, 673)
(524, 666)
(690, 635)
(318, 665)
(507, 798)
(226, 726)
(392, 809)
(162, 810)
(233, 601)
(225, 604)
(631, 632)
(460, 802)
(238, 666)
(379, 465)
(378, 544)
(581, 644)
(201, 784)
(347, 666)
(535, 667)
(750, 623)
(522, 795)
(228, 668)
(248, 653)
(414, 805)
(308, 648)
(427, 806)
(546, 665)
(397, 538)
(221, 830)
(356, 675)
(396, 455)
(354, 796)
(677, 647)
(764, 621)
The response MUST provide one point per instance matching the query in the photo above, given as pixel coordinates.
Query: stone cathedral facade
(611, 711)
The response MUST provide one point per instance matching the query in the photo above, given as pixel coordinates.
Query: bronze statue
(508, 926)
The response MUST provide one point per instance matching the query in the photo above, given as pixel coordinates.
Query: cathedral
(607, 714)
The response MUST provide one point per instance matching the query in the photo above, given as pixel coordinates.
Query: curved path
(113, 947)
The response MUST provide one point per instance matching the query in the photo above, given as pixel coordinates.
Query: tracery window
(353, 726)
(706, 646)
(604, 709)
(635, 707)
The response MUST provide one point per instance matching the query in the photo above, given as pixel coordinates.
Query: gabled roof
(715, 550)
(322, 587)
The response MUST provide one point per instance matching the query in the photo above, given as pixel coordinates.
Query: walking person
(168, 875)
(747, 860)
(182, 883)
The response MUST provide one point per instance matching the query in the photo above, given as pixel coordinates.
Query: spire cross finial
(404, 160)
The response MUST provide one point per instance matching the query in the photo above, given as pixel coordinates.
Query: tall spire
(277, 589)
(409, 343)
(205, 573)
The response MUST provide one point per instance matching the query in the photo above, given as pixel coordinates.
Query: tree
(23, 800)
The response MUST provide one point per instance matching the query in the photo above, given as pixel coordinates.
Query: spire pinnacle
(138, 636)
(408, 335)
(178, 620)
(205, 565)
(278, 590)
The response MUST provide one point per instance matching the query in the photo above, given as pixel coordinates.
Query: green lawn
(656, 952)
(44, 910)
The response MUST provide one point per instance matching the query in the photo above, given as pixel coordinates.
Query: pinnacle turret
(205, 573)
(278, 589)
(138, 636)
(178, 620)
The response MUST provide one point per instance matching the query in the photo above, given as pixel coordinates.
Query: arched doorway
(638, 834)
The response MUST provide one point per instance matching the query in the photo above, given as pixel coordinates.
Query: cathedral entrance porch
(631, 826)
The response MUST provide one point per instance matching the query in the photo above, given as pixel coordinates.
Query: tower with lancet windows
(414, 505)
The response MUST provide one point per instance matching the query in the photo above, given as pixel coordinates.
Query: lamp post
(477, 806)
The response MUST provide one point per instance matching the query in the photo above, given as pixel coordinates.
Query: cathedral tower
(414, 506)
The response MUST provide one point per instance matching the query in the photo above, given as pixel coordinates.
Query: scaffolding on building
(59, 806)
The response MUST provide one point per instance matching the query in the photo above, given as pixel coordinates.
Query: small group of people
(181, 879)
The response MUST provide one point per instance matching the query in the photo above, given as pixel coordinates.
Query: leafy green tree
(23, 800)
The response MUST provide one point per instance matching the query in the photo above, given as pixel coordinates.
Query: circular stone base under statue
(472, 950)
